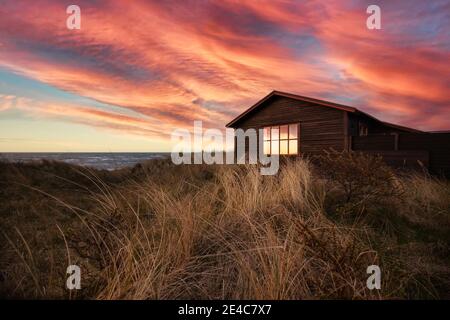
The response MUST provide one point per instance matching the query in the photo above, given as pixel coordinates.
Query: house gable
(321, 127)
(274, 94)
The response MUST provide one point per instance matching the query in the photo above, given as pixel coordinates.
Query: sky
(137, 70)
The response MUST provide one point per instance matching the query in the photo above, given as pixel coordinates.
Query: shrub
(356, 179)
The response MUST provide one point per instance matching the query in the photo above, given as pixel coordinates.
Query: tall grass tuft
(226, 232)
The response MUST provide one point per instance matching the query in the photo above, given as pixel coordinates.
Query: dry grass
(219, 232)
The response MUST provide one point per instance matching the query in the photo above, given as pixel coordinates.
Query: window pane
(267, 133)
(266, 147)
(293, 131)
(284, 147)
(284, 132)
(293, 146)
(275, 147)
(275, 133)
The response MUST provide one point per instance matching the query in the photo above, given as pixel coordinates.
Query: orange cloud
(175, 62)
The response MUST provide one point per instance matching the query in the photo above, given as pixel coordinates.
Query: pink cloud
(161, 58)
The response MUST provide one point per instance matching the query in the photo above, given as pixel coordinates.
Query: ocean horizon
(97, 160)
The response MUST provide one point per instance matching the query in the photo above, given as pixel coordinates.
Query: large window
(281, 139)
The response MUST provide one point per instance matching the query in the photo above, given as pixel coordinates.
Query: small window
(281, 139)
(293, 146)
(293, 131)
(275, 133)
(363, 129)
(284, 132)
(267, 134)
(284, 147)
(275, 147)
(266, 147)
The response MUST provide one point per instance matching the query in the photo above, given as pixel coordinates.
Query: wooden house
(298, 126)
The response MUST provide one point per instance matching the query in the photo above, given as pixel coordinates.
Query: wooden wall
(373, 142)
(411, 147)
(320, 127)
(437, 144)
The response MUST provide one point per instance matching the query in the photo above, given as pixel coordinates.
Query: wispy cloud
(177, 61)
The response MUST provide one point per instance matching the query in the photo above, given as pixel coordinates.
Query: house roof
(315, 101)
(440, 131)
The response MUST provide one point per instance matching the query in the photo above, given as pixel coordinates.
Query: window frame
(363, 129)
(288, 139)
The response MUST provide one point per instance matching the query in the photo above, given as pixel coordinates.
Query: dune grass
(160, 231)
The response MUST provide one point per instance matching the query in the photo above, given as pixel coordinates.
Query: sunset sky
(137, 70)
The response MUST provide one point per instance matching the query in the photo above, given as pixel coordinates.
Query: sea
(108, 161)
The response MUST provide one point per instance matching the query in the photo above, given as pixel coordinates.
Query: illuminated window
(281, 139)
(293, 146)
(266, 147)
(274, 147)
(284, 147)
(284, 130)
(275, 133)
(293, 131)
(266, 133)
